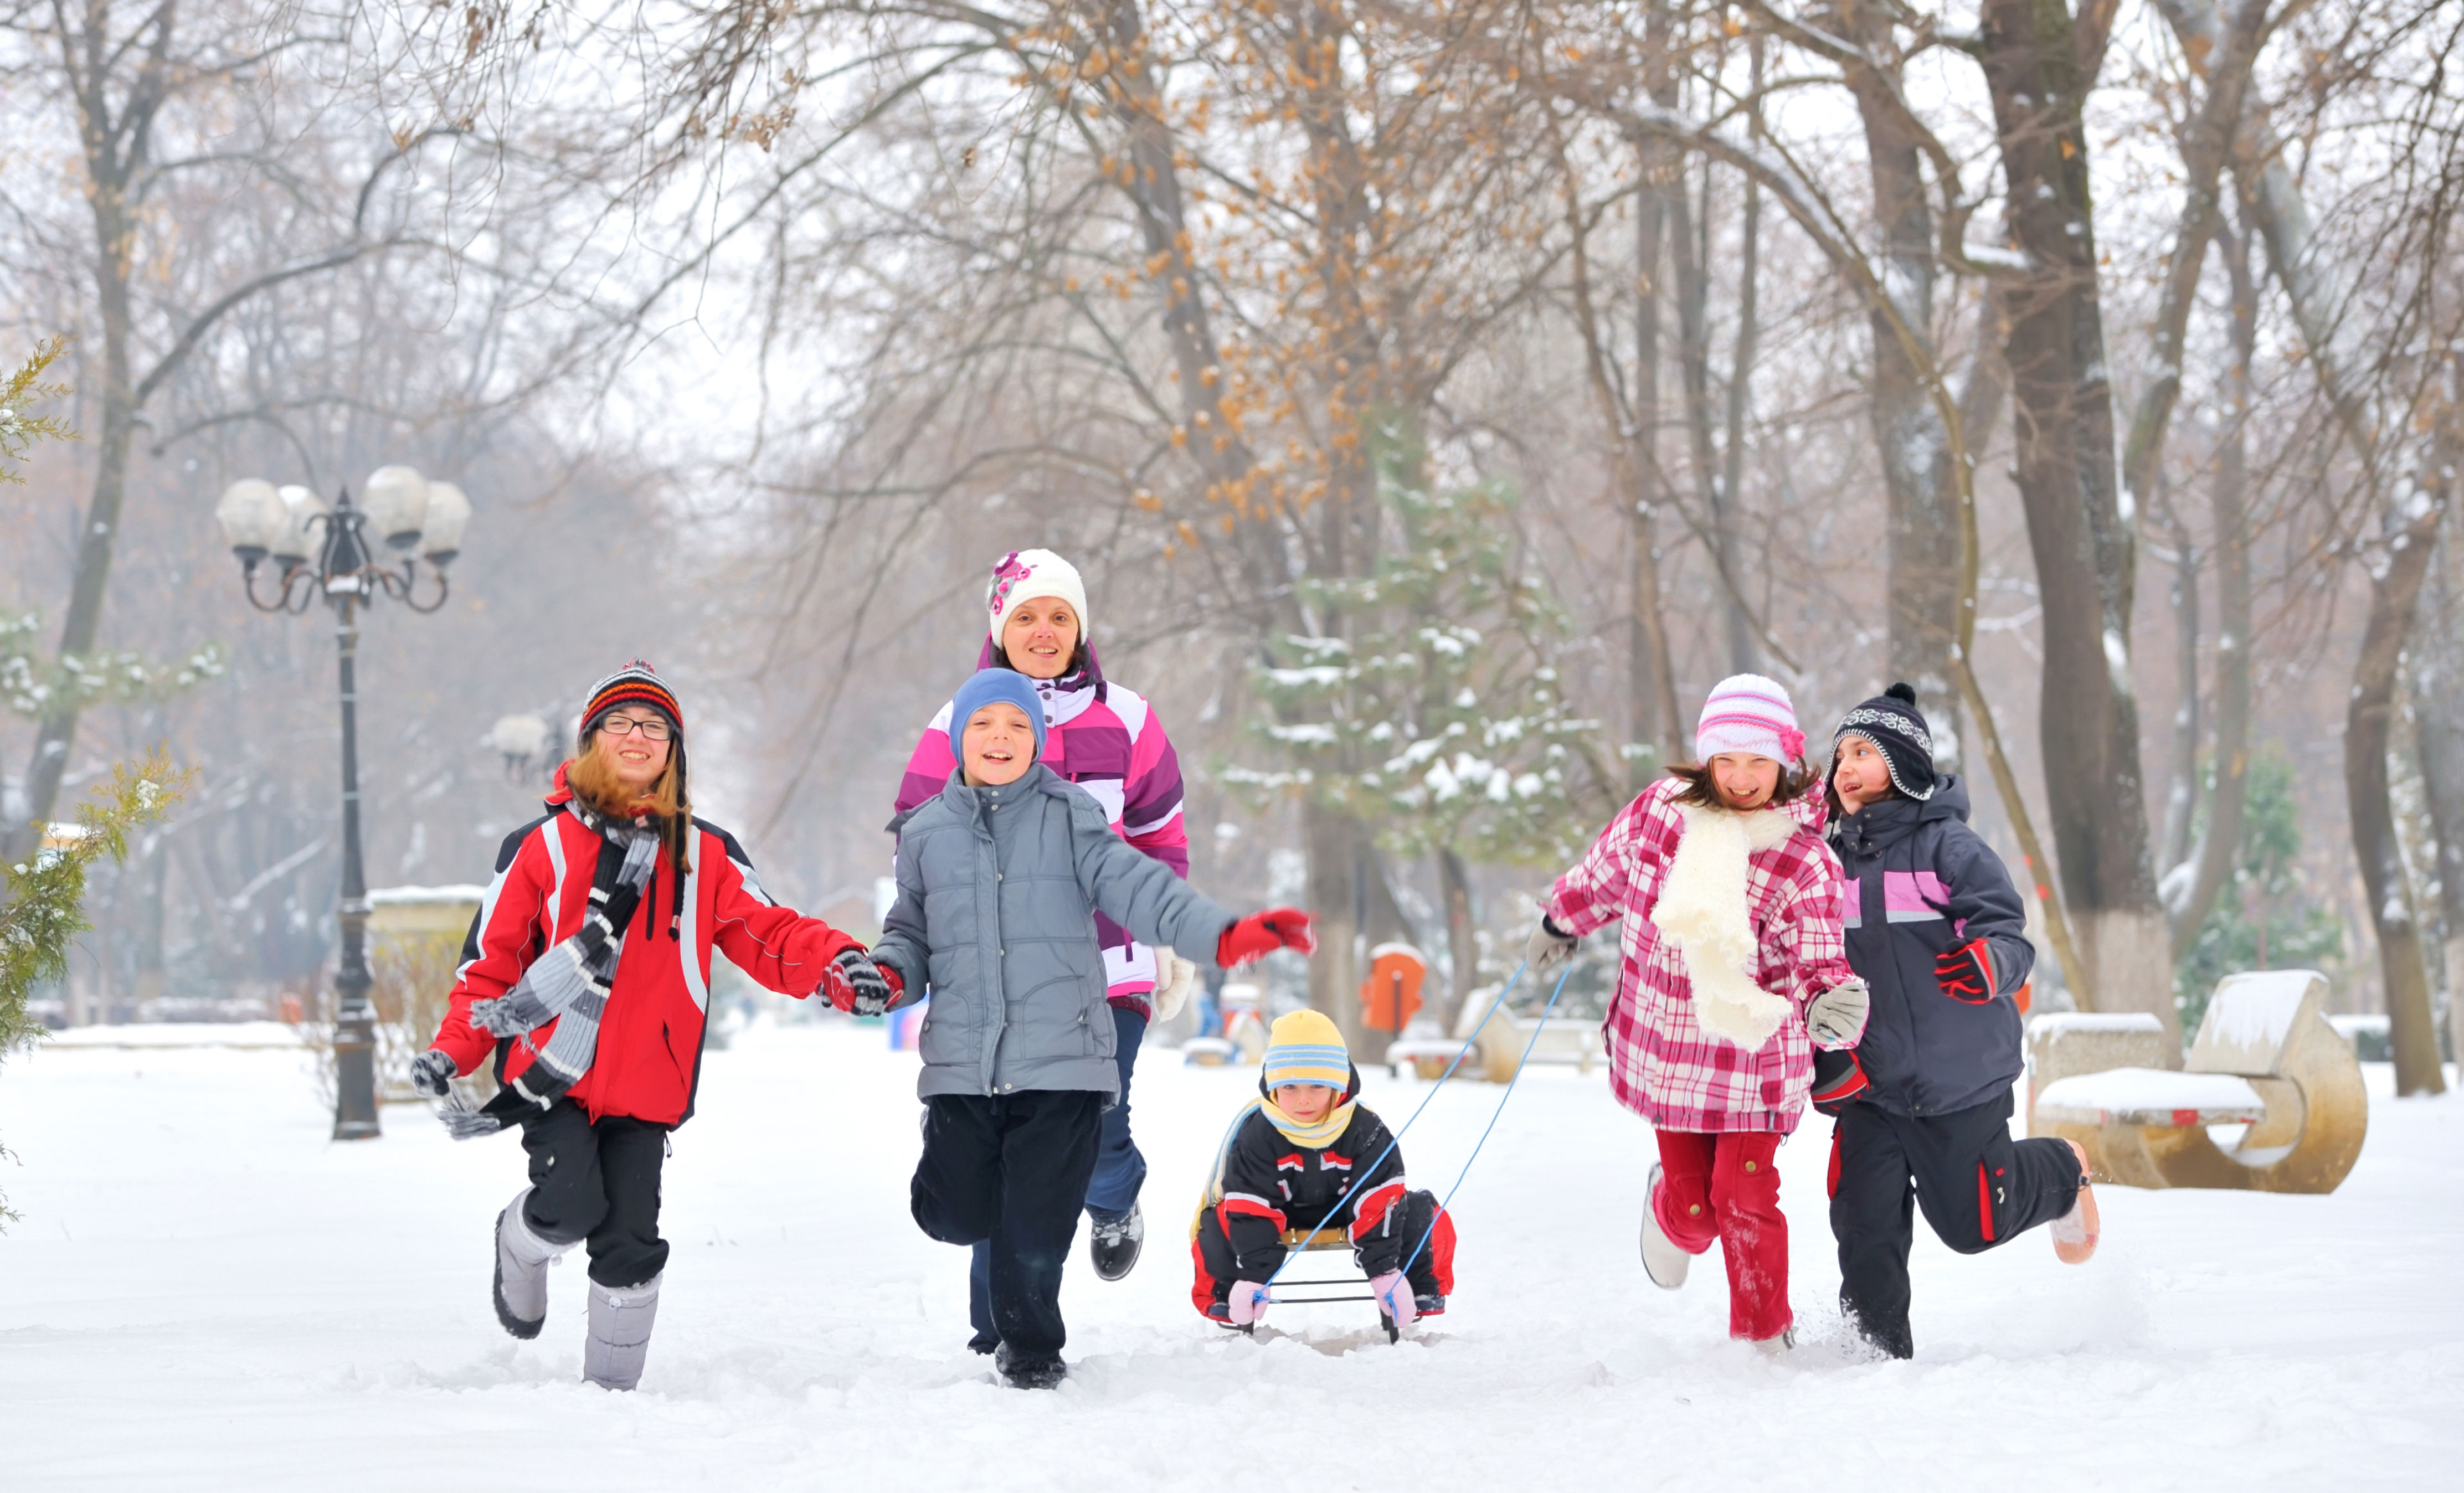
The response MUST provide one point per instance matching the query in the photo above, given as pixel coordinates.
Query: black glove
(1839, 1079)
(431, 1073)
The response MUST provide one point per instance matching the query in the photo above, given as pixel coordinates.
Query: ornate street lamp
(326, 552)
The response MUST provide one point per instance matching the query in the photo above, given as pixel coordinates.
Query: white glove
(1174, 976)
(1548, 947)
(1836, 1018)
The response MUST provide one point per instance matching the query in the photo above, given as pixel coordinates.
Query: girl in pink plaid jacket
(1735, 971)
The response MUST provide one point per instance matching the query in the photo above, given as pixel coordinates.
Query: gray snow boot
(519, 1289)
(621, 1317)
(1113, 1242)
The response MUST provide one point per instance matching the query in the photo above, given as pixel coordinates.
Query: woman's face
(1041, 637)
(1745, 781)
(632, 744)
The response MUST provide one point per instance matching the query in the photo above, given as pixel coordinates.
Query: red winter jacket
(649, 1059)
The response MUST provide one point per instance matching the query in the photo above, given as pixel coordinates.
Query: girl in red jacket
(586, 974)
(1734, 973)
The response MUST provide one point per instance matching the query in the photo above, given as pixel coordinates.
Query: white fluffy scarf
(1703, 906)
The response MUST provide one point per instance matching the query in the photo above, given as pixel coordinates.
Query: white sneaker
(1778, 1347)
(1662, 1259)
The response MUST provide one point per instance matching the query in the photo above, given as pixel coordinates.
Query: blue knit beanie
(994, 686)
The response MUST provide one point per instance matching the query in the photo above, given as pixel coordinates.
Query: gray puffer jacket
(997, 891)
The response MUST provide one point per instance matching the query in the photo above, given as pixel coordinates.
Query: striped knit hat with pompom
(1749, 714)
(637, 683)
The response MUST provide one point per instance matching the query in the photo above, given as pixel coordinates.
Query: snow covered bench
(1500, 1052)
(2266, 1061)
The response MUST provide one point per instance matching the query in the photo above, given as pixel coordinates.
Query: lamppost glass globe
(449, 510)
(251, 513)
(297, 539)
(395, 500)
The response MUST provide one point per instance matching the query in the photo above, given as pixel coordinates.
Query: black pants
(1979, 1188)
(1431, 1270)
(599, 1183)
(1111, 1188)
(1011, 1171)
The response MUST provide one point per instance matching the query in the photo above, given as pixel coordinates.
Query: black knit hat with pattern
(1897, 728)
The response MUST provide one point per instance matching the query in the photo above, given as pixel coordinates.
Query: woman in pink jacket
(1736, 970)
(1107, 741)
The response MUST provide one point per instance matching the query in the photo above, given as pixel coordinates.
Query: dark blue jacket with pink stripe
(1922, 883)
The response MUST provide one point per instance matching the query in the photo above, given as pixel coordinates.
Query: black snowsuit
(1934, 1127)
(1354, 1187)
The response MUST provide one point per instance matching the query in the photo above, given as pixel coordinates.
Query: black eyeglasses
(653, 730)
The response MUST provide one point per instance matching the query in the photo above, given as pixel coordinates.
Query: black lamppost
(326, 553)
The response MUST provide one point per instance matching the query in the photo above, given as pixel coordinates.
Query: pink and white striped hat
(1752, 714)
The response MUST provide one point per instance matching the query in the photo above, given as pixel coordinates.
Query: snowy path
(203, 1292)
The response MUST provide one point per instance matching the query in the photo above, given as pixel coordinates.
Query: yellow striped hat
(1305, 1047)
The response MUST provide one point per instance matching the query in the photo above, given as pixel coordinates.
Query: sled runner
(1302, 1240)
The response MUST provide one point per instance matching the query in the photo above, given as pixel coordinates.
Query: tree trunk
(2438, 719)
(2064, 466)
(1651, 680)
(1462, 937)
(1687, 233)
(1335, 841)
(2402, 961)
(1923, 585)
(2198, 882)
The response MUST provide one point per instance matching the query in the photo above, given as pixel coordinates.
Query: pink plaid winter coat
(1663, 1064)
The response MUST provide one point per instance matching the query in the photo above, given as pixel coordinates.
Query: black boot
(1113, 1242)
(1029, 1370)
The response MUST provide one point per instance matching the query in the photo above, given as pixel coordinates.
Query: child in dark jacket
(1938, 931)
(1000, 875)
(1306, 1156)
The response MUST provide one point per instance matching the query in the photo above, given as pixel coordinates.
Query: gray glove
(431, 1073)
(1836, 1018)
(1549, 946)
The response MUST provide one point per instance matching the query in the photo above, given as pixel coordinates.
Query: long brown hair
(1795, 781)
(594, 782)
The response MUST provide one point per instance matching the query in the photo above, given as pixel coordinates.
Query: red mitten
(857, 985)
(1262, 934)
(1966, 974)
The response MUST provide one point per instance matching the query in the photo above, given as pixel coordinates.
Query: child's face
(1306, 1103)
(999, 745)
(1860, 776)
(1745, 781)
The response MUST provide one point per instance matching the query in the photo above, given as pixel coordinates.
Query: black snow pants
(599, 1183)
(1979, 1188)
(1011, 1170)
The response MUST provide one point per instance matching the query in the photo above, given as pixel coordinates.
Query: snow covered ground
(204, 1292)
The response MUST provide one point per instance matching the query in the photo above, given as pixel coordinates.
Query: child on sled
(1306, 1156)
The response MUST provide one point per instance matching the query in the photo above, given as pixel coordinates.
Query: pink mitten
(1247, 1302)
(1393, 1294)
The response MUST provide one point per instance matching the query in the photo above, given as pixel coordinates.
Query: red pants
(1725, 1187)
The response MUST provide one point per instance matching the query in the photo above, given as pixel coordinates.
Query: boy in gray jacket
(999, 876)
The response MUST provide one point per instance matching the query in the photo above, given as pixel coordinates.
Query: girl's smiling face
(998, 746)
(1860, 775)
(624, 746)
(1746, 781)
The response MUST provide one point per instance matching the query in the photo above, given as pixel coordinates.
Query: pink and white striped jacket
(1107, 741)
(1662, 1063)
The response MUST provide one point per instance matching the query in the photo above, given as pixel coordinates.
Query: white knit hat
(1752, 714)
(1028, 574)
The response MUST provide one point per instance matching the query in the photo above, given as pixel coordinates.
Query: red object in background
(291, 1010)
(1391, 993)
(2019, 997)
